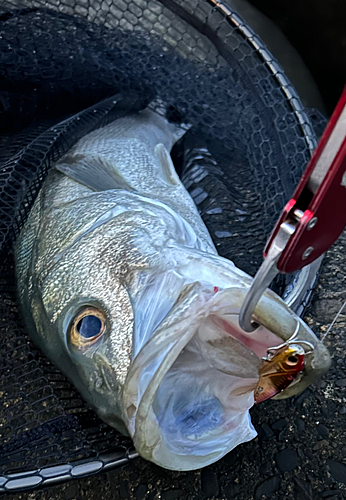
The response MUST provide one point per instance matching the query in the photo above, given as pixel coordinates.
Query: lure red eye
(292, 360)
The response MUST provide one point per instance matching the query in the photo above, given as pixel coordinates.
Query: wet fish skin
(114, 228)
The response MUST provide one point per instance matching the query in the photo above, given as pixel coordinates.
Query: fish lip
(274, 314)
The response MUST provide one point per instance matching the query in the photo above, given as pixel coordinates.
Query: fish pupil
(89, 326)
(293, 359)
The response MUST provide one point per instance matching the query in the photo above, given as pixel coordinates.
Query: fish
(120, 285)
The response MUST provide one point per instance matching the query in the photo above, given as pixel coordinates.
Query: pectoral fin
(93, 172)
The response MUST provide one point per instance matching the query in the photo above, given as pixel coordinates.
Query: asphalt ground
(300, 451)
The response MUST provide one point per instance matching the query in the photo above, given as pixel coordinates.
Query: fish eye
(87, 327)
(292, 360)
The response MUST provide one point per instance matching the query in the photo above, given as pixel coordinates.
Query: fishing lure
(282, 366)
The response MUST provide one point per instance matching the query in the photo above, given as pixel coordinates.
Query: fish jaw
(184, 404)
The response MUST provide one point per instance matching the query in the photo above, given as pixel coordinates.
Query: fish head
(88, 264)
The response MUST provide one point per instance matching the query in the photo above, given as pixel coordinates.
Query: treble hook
(272, 351)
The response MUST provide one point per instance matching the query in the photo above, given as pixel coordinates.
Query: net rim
(275, 68)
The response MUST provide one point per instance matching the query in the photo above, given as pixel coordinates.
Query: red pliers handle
(314, 217)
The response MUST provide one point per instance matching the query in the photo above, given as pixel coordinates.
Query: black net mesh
(69, 67)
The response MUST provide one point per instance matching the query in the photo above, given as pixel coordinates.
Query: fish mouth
(189, 390)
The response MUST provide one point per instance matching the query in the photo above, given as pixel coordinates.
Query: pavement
(300, 451)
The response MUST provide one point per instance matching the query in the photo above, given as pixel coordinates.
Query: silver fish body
(114, 235)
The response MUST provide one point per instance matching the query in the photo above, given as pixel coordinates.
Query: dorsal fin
(96, 173)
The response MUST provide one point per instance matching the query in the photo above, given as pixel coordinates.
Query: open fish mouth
(189, 390)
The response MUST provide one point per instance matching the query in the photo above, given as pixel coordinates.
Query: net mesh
(249, 142)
